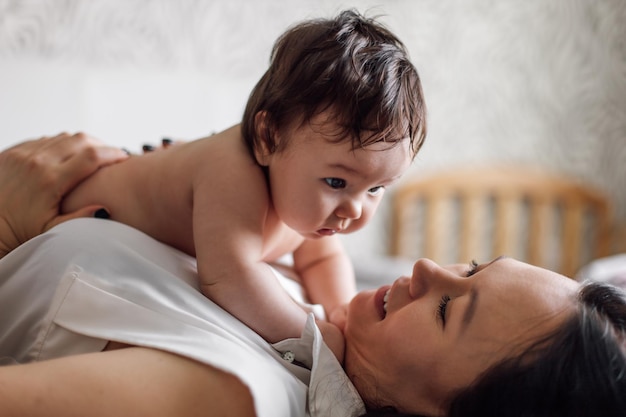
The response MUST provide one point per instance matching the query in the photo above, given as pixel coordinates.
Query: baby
(337, 118)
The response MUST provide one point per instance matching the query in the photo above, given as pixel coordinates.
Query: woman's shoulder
(117, 283)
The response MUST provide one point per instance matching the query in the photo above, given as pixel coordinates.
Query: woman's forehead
(516, 301)
(508, 274)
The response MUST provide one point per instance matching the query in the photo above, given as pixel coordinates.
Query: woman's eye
(376, 190)
(441, 310)
(473, 267)
(335, 182)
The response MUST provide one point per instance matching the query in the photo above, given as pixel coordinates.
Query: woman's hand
(34, 177)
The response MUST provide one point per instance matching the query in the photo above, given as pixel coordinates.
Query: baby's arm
(250, 291)
(228, 223)
(326, 272)
(328, 279)
(327, 275)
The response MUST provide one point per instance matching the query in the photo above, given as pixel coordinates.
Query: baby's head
(337, 118)
(350, 65)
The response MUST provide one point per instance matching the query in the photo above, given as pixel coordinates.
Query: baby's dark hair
(350, 65)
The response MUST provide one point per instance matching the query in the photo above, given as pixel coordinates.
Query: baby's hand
(338, 316)
(333, 337)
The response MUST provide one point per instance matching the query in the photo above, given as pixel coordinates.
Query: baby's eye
(335, 182)
(376, 190)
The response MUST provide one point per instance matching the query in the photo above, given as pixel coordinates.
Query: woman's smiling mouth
(380, 300)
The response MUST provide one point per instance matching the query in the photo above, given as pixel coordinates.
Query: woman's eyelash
(441, 310)
(473, 267)
(443, 303)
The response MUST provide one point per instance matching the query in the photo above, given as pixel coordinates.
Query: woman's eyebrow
(485, 265)
(471, 305)
(469, 310)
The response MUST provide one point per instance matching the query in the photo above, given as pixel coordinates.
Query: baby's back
(154, 192)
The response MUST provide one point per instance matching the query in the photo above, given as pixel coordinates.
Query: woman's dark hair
(577, 370)
(350, 65)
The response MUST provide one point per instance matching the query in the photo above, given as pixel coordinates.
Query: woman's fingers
(35, 175)
(84, 161)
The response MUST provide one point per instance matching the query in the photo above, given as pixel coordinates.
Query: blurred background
(532, 82)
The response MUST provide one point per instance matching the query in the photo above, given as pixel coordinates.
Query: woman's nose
(428, 275)
(350, 209)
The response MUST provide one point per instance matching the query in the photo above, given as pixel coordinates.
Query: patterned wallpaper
(535, 81)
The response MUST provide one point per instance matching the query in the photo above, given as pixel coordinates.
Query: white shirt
(89, 281)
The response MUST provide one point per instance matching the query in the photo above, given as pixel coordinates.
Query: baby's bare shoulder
(229, 184)
(225, 160)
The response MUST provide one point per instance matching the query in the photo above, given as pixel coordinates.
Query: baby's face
(320, 187)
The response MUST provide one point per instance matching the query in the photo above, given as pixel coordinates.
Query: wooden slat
(604, 239)
(506, 228)
(401, 205)
(572, 237)
(472, 214)
(541, 221)
(516, 192)
(433, 239)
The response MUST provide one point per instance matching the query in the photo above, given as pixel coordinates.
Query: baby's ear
(264, 141)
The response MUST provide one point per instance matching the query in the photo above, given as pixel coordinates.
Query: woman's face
(411, 344)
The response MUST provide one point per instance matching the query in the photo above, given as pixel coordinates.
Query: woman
(538, 342)
(502, 338)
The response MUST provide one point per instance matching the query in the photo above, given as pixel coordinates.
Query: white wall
(531, 82)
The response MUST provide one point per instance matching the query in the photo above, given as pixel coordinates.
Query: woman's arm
(34, 177)
(126, 382)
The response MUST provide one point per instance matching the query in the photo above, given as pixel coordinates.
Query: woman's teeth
(385, 299)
